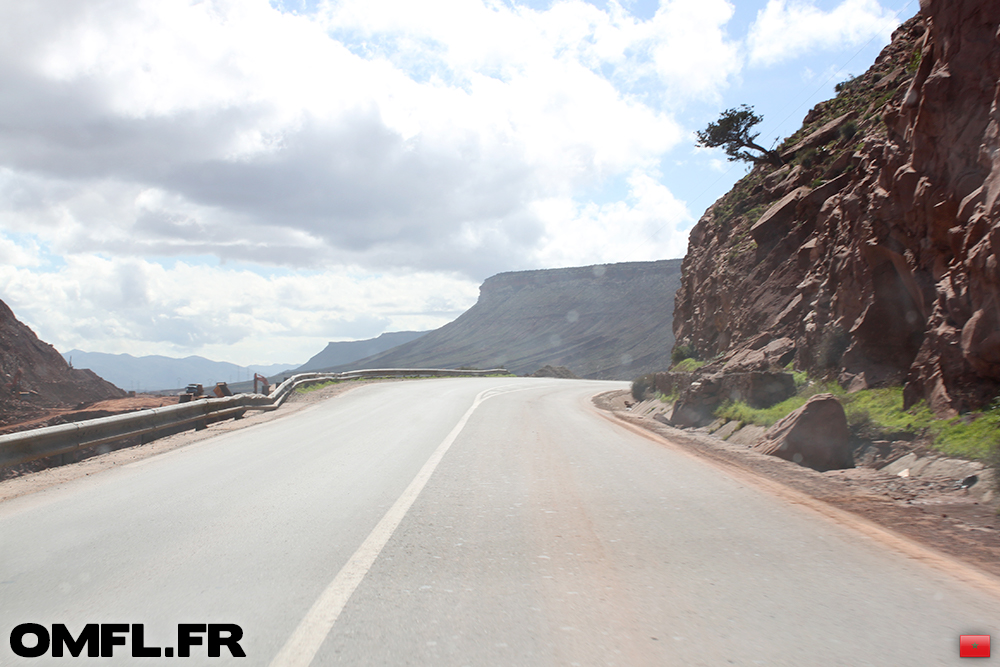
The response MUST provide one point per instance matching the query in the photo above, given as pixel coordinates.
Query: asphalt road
(481, 521)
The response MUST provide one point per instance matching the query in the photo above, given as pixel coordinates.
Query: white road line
(301, 647)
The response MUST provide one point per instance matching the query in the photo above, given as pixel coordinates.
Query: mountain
(871, 256)
(608, 321)
(339, 353)
(154, 373)
(33, 374)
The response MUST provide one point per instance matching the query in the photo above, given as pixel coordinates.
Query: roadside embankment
(910, 491)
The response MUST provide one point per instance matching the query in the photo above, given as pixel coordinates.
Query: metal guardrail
(53, 440)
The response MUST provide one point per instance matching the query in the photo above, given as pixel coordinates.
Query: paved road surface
(411, 523)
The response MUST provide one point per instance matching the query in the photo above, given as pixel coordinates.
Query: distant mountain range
(156, 373)
(339, 353)
(609, 321)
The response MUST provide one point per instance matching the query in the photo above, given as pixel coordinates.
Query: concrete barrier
(52, 440)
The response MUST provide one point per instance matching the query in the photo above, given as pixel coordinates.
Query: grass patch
(313, 387)
(974, 436)
(744, 414)
(668, 398)
(878, 414)
(688, 365)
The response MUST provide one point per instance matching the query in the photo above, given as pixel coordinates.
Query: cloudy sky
(247, 180)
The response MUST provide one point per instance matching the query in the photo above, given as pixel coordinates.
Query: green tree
(732, 132)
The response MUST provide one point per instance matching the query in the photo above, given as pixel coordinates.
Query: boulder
(697, 404)
(815, 435)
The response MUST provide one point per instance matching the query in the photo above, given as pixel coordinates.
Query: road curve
(480, 521)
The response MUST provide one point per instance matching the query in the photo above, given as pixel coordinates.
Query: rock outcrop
(34, 375)
(815, 435)
(873, 255)
(701, 394)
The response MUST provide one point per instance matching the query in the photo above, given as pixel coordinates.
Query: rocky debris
(815, 435)
(43, 378)
(554, 372)
(610, 321)
(875, 253)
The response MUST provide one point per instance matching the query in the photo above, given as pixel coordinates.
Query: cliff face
(873, 254)
(45, 377)
(609, 322)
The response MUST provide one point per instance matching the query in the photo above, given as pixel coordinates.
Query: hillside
(871, 257)
(155, 372)
(608, 321)
(344, 352)
(45, 379)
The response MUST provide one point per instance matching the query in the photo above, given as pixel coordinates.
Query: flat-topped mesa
(502, 285)
(608, 321)
(873, 255)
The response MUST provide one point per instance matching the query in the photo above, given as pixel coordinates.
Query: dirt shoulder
(931, 513)
(32, 481)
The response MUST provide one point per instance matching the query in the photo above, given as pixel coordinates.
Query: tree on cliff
(732, 131)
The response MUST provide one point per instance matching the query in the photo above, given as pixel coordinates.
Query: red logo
(974, 646)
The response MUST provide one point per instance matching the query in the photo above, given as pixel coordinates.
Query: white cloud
(787, 28)
(139, 307)
(446, 140)
(252, 124)
(649, 224)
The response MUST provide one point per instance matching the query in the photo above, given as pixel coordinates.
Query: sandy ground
(932, 513)
(37, 481)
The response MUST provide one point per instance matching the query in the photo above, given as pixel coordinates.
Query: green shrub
(848, 130)
(680, 353)
(642, 385)
(845, 84)
(807, 158)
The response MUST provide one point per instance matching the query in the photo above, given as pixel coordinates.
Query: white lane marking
(301, 647)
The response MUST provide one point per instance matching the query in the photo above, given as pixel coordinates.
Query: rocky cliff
(872, 255)
(609, 321)
(43, 378)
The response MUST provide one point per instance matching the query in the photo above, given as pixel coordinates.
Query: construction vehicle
(14, 386)
(265, 385)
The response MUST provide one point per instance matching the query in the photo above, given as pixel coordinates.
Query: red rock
(815, 435)
(889, 275)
